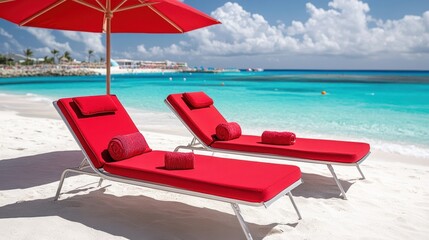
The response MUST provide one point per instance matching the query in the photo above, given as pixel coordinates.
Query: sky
(270, 34)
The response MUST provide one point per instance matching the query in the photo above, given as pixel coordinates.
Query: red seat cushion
(315, 149)
(202, 121)
(242, 180)
(95, 132)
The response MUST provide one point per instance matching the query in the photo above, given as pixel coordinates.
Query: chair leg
(360, 171)
(193, 141)
(243, 225)
(100, 182)
(82, 164)
(63, 176)
(343, 193)
(294, 205)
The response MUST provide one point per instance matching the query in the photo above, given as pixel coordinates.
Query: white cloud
(44, 51)
(407, 35)
(342, 29)
(241, 33)
(338, 30)
(5, 34)
(47, 38)
(10, 39)
(161, 53)
(345, 28)
(141, 48)
(92, 41)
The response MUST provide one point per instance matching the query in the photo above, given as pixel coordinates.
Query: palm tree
(47, 60)
(90, 52)
(9, 61)
(3, 59)
(28, 54)
(67, 56)
(55, 53)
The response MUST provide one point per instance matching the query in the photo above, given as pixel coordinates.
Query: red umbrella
(107, 16)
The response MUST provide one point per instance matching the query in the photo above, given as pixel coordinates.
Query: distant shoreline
(44, 70)
(73, 70)
(290, 75)
(344, 70)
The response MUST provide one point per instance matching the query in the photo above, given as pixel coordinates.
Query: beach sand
(36, 146)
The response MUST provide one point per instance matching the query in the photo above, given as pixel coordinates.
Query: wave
(38, 98)
(407, 150)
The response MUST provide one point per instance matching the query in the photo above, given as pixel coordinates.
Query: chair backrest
(201, 121)
(94, 132)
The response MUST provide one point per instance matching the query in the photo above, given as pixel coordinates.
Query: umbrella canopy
(106, 16)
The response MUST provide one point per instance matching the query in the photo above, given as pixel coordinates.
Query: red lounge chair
(226, 180)
(202, 122)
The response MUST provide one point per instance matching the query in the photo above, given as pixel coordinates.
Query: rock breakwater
(30, 71)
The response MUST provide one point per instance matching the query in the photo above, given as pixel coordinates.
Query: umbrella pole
(108, 32)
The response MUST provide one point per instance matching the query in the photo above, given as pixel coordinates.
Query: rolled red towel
(179, 161)
(127, 146)
(279, 138)
(228, 131)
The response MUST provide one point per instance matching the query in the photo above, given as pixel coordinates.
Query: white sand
(35, 147)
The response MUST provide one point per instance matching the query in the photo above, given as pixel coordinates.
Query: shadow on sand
(36, 170)
(138, 217)
(318, 186)
(133, 217)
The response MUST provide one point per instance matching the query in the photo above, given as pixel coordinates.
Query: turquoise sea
(389, 109)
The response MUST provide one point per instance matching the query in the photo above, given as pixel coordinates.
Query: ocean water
(389, 109)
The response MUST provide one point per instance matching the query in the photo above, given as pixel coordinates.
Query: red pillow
(198, 99)
(92, 105)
